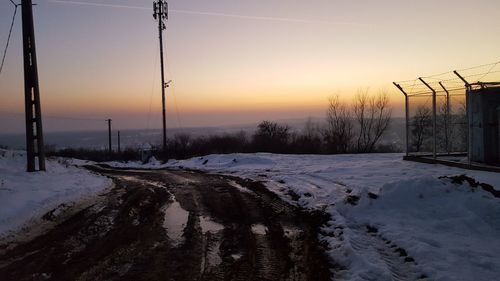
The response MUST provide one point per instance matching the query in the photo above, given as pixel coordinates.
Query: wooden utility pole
(119, 145)
(33, 112)
(160, 9)
(109, 136)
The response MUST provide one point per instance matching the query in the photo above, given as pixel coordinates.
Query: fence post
(407, 116)
(434, 127)
(468, 112)
(447, 118)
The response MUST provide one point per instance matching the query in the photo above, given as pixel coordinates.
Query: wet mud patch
(177, 225)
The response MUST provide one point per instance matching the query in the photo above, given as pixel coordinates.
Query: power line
(155, 63)
(8, 37)
(173, 87)
(55, 117)
(74, 118)
(176, 108)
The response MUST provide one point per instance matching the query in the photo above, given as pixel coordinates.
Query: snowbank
(26, 196)
(451, 231)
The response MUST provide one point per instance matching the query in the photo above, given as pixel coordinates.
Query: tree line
(355, 127)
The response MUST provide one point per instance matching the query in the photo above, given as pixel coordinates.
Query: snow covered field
(451, 231)
(24, 197)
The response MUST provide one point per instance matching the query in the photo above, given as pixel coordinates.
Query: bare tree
(181, 144)
(421, 126)
(308, 140)
(445, 128)
(311, 129)
(338, 133)
(373, 117)
(461, 120)
(271, 137)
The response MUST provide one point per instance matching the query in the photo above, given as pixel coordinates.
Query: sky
(233, 61)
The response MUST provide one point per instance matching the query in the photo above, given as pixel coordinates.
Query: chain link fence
(450, 121)
(437, 117)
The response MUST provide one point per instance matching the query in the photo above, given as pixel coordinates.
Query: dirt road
(175, 225)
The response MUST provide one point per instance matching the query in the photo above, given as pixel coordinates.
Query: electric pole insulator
(110, 148)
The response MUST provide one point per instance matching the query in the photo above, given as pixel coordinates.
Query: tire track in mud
(176, 225)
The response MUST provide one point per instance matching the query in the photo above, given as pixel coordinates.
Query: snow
(25, 197)
(152, 164)
(451, 231)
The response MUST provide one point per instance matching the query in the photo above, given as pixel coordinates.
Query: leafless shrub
(338, 133)
(421, 127)
(271, 137)
(445, 128)
(308, 140)
(373, 117)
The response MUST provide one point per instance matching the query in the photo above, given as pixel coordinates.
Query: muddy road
(174, 225)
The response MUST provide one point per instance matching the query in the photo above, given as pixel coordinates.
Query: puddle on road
(236, 256)
(239, 187)
(208, 225)
(175, 221)
(291, 232)
(211, 258)
(143, 182)
(259, 229)
(156, 184)
(180, 179)
(129, 178)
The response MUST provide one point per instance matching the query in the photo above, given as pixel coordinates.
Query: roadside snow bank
(27, 196)
(402, 220)
(451, 230)
(152, 164)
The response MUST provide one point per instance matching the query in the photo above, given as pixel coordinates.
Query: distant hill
(137, 137)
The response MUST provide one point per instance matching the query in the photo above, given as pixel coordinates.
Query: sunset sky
(235, 61)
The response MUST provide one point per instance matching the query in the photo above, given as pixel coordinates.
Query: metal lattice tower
(160, 13)
(34, 131)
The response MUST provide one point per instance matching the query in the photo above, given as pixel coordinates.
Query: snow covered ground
(24, 197)
(390, 219)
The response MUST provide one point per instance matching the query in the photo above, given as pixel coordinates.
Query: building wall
(483, 106)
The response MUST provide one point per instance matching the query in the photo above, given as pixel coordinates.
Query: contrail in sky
(98, 4)
(214, 14)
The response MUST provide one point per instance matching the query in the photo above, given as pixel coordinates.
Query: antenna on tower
(160, 13)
